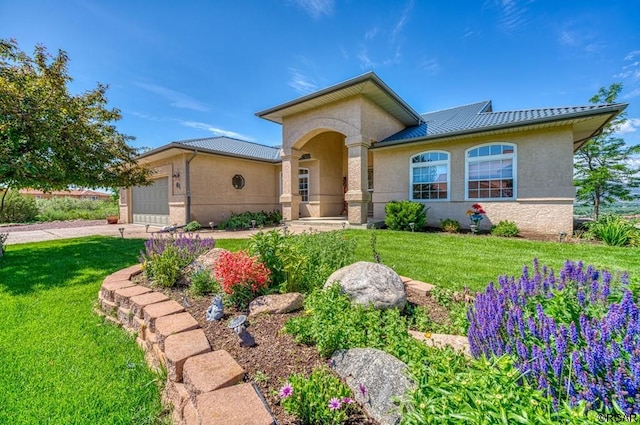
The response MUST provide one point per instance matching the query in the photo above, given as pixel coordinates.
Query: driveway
(80, 228)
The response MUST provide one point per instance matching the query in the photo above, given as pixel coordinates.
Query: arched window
(491, 171)
(430, 176)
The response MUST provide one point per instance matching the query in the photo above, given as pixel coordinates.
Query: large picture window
(491, 171)
(430, 176)
(303, 184)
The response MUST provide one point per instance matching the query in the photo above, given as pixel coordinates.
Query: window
(303, 184)
(430, 176)
(490, 172)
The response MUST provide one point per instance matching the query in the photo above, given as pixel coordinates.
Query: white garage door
(150, 204)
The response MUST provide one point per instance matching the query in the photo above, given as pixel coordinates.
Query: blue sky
(181, 70)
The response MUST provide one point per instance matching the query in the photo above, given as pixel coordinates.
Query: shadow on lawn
(26, 268)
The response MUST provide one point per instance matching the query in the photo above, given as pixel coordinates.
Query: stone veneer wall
(203, 386)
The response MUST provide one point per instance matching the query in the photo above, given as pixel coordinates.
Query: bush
(18, 208)
(613, 230)
(449, 225)
(506, 229)
(302, 262)
(241, 277)
(319, 399)
(399, 215)
(202, 282)
(574, 336)
(164, 258)
(244, 220)
(75, 209)
(192, 226)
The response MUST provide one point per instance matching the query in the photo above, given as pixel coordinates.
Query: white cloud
(631, 125)
(397, 29)
(632, 94)
(315, 8)
(301, 83)
(568, 38)
(429, 65)
(365, 60)
(215, 131)
(632, 55)
(369, 35)
(513, 15)
(176, 99)
(470, 32)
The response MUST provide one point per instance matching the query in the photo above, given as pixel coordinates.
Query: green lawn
(59, 362)
(455, 260)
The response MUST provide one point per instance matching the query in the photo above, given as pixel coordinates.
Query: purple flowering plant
(575, 335)
(164, 258)
(319, 399)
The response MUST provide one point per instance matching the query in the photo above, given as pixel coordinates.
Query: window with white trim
(303, 184)
(430, 176)
(491, 171)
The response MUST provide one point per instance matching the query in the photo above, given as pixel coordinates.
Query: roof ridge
(598, 105)
(224, 137)
(456, 107)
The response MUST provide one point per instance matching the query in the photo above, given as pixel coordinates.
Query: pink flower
(335, 404)
(348, 400)
(286, 391)
(363, 390)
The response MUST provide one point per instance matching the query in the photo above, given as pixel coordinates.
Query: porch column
(290, 197)
(357, 195)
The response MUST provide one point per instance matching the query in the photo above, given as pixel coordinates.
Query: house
(349, 149)
(76, 193)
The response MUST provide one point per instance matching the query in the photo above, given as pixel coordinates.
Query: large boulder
(377, 379)
(206, 261)
(370, 284)
(276, 303)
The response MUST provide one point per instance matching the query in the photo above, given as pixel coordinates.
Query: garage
(150, 204)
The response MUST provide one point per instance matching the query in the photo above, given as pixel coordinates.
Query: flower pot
(112, 219)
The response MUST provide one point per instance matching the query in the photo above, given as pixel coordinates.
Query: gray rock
(382, 376)
(370, 284)
(276, 303)
(205, 261)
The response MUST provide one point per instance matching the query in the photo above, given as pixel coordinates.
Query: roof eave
(369, 76)
(179, 146)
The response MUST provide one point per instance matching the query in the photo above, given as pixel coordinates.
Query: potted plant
(112, 219)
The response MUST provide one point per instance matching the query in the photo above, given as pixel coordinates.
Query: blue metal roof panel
(234, 147)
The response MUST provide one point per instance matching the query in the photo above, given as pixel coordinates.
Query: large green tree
(603, 169)
(51, 139)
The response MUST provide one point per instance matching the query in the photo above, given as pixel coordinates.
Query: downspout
(188, 187)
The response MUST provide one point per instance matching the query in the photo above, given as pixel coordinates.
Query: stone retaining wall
(203, 386)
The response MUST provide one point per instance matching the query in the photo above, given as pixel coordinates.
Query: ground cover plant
(247, 220)
(614, 230)
(59, 362)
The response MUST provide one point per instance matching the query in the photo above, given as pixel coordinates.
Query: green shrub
(506, 229)
(450, 225)
(302, 262)
(75, 209)
(245, 220)
(400, 215)
(319, 399)
(613, 230)
(203, 283)
(192, 226)
(18, 208)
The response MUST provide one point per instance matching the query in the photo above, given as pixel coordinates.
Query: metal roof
(479, 117)
(368, 85)
(224, 146)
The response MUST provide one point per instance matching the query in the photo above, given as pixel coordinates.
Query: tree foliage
(603, 171)
(51, 139)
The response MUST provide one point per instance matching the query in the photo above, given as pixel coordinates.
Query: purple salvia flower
(573, 333)
(581, 298)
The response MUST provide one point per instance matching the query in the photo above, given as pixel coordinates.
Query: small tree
(51, 139)
(602, 170)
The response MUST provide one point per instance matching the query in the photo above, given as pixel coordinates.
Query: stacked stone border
(203, 386)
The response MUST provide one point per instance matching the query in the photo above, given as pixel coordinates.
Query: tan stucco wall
(213, 197)
(545, 190)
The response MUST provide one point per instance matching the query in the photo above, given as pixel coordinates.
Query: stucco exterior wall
(544, 184)
(213, 197)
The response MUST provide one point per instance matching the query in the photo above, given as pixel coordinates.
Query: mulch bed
(276, 355)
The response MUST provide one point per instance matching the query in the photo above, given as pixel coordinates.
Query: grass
(455, 261)
(59, 362)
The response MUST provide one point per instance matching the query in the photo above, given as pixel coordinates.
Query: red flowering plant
(241, 276)
(476, 213)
